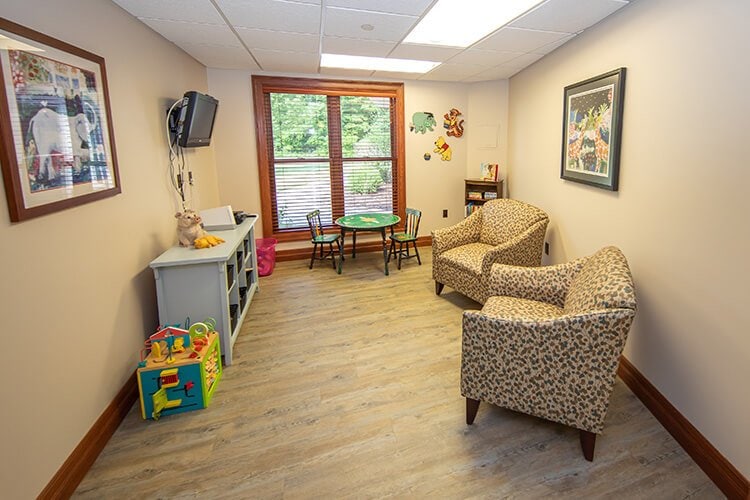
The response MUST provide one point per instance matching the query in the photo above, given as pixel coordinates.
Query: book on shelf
(474, 195)
(490, 195)
(471, 208)
(488, 171)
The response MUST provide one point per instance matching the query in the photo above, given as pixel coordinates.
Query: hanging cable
(176, 157)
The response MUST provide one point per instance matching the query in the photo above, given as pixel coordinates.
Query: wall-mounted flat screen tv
(196, 122)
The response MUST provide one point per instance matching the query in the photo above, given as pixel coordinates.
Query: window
(336, 146)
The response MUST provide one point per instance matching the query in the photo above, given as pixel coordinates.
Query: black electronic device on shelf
(239, 216)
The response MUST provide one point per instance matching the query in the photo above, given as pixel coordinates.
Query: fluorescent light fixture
(376, 63)
(460, 23)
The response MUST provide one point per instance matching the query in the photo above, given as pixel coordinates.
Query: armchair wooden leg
(588, 441)
(472, 405)
(438, 288)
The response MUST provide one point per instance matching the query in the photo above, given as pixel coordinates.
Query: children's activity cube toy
(179, 374)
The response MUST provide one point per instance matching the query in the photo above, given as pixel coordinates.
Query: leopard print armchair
(504, 231)
(548, 341)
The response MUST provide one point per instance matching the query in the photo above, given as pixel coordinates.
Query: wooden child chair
(411, 227)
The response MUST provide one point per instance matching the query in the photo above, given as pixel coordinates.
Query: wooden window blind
(335, 146)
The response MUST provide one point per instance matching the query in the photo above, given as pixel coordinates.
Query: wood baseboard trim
(74, 469)
(369, 246)
(726, 477)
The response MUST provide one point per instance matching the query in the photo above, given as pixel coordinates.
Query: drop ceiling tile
(486, 58)
(175, 10)
(293, 62)
(396, 76)
(523, 60)
(519, 40)
(412, 7)
(546, 49)
(569, 16)
(356, 46)
(348, 22)
(424, 52)
(272, 15)
(499, 73)
(279, 40)
(216, 56)
(453, 72)
(354, 73)
(181, 31)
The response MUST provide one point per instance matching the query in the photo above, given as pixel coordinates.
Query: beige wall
(76, 293)
(680, 215)
(431, 185)
(488, 108)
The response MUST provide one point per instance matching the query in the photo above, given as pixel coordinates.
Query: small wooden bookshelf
(478, 191)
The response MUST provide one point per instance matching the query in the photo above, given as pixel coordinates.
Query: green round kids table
(367, 222)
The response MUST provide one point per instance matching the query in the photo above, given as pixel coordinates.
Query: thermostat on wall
(218, 219)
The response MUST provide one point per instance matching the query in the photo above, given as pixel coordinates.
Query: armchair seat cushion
(503, 231)
(468, 257)
(517, 309)
(548, 340)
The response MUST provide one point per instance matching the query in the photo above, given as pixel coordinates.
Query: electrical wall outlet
(546, 248)
(445, 213)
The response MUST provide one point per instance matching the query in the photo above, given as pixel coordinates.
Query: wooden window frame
(263, 86)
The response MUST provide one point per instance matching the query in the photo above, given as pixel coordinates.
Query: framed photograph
(592, 127)
(58, 147)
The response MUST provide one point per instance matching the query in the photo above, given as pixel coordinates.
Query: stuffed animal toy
(191, 233)
(207, 241)
(189, 227)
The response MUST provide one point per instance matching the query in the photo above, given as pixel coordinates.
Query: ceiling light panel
(460, 23)
(376, 63)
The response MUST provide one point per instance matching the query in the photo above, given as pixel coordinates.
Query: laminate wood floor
(347, 386)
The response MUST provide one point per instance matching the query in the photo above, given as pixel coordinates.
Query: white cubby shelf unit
(217, 282)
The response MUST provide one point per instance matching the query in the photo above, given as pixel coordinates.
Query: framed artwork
(58, 148)
(488, 171)
(592, 127)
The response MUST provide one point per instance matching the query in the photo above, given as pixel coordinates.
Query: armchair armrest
(523, 250)
(466, 231)
(545, 284)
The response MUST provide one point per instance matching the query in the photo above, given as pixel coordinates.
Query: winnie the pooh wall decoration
(443, 148)
(454, 126)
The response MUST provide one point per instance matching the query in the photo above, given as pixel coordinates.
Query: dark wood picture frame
(592, 130)
(58, 146)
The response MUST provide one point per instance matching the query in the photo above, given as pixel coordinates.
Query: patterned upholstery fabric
(504, 231)
(526, 352)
